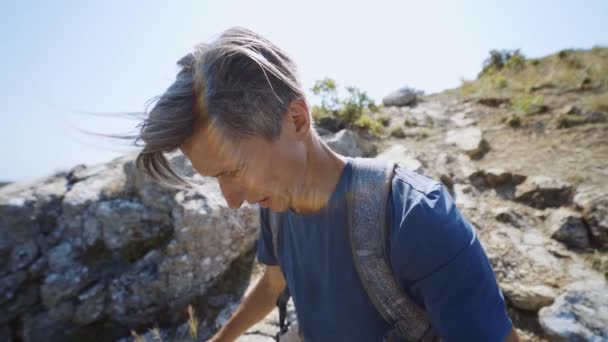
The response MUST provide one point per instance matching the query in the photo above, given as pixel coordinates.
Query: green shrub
(355, 103)
(514, 120)
(410, 123)
(348, 110)
(367, 123)
(499, 81)
(500, 58)
(564, 53)
(385, 120)
(398, 132)
(516, 61)
(327, 90)
(598, 103)
(423, 133)
(527, 104)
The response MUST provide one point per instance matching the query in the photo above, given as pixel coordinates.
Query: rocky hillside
(97, 252)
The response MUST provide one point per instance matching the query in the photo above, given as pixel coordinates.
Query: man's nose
(234, 194)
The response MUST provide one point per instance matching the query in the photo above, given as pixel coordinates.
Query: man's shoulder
(412, 186)
(427, 230)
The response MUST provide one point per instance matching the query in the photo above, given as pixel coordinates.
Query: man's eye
(231, 173)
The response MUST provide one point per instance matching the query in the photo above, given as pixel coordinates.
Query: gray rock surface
(345, 142)
(105, 245)
(402, 97)
(470, 140)
(578, 314)
(596, 216)
(544, 192)
(403, 157)
(567, 226)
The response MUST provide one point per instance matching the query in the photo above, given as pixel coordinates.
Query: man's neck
(322, 173)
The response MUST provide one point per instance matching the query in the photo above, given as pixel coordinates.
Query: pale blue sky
(62, 58)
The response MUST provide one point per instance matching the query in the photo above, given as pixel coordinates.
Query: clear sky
(60, 59)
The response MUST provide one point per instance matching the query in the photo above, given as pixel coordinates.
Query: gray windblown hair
(240, 83)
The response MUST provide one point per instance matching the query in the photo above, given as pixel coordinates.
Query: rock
(104, 244)
(596, 117)
(345, 142)
(469, 140)
(66, 284)
(507, 215)
(567, 226)
(23, 255)
(528, 264)
(461, 120)
(544, 192)
(402, 97)
(499, 177)
(91, 304)
(585, 195)
(493, 101)
(403, 157)
(463, 197)
(5, 334)
(570, 110)
(322, 131)
(108, 183)
(10, 284)
(596, 216)
(579, 314)
(495, 177)
(331, 124)
(529, 297)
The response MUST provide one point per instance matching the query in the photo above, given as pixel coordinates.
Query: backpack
(370, 187)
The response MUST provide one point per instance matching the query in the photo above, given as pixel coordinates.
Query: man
(238, 112)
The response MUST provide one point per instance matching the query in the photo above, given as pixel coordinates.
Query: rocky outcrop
(105, 245)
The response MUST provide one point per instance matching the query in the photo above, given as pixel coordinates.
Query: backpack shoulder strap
(274, 222)
(370, 185)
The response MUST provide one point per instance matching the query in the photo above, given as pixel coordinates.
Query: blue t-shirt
(433, 251)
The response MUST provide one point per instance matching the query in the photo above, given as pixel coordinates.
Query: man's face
(253, 170)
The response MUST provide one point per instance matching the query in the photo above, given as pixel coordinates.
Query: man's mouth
(264, 203)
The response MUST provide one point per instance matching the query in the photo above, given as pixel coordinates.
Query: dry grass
(568, 69)
(193, 324)
(598, 103)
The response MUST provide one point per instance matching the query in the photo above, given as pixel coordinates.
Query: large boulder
(544, 192)
(403, 157)
(470, 140)
(567, 226)
(106, 246)
(405, 96)
(578, 314)
(345, 142)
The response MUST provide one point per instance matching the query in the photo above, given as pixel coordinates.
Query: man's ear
(299, 115)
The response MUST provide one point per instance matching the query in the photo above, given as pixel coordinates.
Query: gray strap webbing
(371, 183)
(273, 219)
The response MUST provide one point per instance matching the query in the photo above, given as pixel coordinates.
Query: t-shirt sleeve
(265, 252)
(436, 256)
